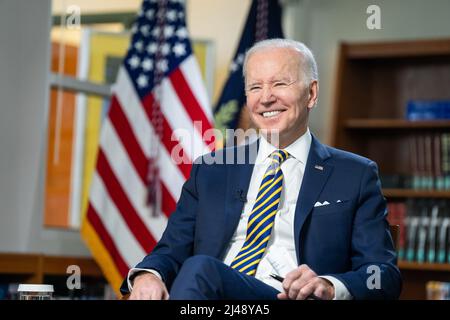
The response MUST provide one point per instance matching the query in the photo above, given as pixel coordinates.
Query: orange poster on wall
(60, 142)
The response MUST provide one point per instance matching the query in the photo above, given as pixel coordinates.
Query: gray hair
(308, 65)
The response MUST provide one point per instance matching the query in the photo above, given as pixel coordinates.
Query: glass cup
(35, 291)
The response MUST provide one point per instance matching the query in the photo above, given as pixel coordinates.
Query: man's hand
(147, 286)
(301, 282)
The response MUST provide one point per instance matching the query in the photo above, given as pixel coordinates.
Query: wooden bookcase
(374, 82)
(39, 268)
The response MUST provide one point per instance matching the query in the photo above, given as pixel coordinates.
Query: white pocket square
(319, 204)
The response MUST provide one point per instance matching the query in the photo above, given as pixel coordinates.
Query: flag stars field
(182, 33)
(162, 65)
(134, 62)
(150, 13)
(145, 30)
(179, 49)
(168, 31)
(165, 49)
(142, 81)
(147, 64)
(171, 15)
(139, 46)
(152, 48)
(156, 31)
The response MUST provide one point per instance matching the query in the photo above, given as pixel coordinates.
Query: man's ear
(313, 93)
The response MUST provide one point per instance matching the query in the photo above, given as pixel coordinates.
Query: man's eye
(254, 88)
(280, 84)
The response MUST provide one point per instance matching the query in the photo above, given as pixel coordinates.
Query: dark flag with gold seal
(263, 22)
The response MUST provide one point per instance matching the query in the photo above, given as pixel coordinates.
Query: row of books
(424, 229)
(427, 164)
(429, 155)
(437, 290)
(430, 152)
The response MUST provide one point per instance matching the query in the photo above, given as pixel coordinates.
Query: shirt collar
(299, 149)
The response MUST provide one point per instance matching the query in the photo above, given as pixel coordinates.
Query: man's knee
(197, 279)
(199, 264)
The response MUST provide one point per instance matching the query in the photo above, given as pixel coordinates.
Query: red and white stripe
(118, 207)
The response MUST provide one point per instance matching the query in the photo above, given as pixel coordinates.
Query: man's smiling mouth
(270, 114)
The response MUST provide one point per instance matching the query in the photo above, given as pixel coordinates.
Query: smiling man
(312, 214)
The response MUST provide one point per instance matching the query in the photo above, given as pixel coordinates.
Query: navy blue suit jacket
(342, 239)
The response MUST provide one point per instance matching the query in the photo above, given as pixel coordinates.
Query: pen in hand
(312, 296)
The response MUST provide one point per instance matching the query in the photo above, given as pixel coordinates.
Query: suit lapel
(314, 179)
(238, 181)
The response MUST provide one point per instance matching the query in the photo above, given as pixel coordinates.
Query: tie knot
(279, 156)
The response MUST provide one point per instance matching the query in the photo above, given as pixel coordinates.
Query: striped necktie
(262, 217)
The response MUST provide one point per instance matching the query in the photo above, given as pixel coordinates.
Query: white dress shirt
(279, 256)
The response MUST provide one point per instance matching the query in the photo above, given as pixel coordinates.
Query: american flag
(159, 106)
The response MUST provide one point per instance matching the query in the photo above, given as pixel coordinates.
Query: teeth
(270, 114)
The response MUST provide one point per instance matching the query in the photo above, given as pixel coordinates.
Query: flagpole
(261, 20)
(154, 192)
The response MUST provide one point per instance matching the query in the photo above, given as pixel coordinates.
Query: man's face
(278, 99)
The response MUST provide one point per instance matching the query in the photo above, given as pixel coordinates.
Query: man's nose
(267, 95)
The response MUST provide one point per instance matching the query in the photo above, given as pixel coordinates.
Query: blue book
(419, 110)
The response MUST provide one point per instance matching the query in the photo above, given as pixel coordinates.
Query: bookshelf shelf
(39, 268)
(375, 82)
(369, 124)
(410, 193)
(37, 265)
(52, 265)
(423, 48)
(416, 266)
(28, 266)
